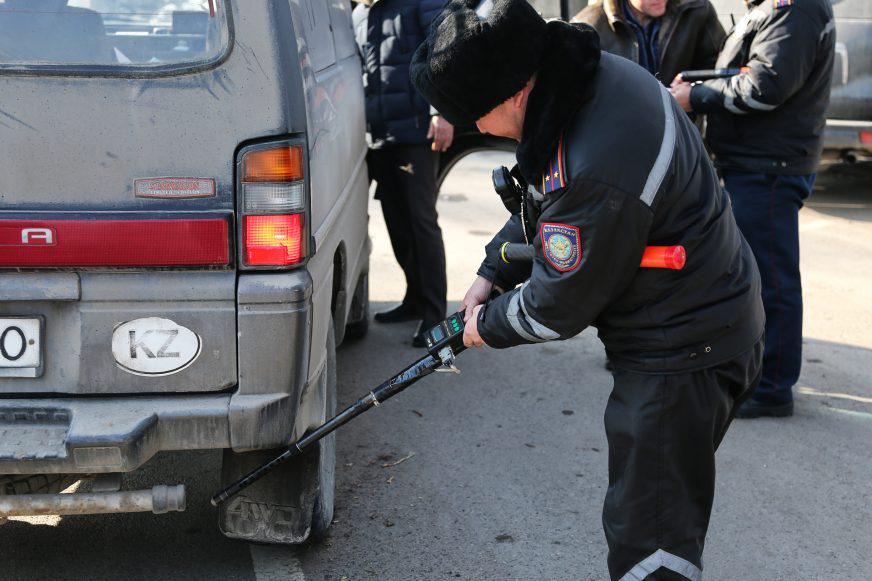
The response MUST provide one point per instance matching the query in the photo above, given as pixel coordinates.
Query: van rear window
(116, 33)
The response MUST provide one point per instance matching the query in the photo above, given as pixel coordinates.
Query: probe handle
(514, 252)
(671, 257)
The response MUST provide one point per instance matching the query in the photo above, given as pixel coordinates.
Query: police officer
(765, 129)
(611, 165)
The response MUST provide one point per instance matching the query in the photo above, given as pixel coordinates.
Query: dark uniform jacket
(387, 33)
(620, 166)
(690, 34)
(771, 119)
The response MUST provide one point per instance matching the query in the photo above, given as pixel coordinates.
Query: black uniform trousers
(663, 431)
(406, 188)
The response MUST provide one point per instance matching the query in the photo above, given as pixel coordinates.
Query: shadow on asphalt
(183, 545)
(843, 192)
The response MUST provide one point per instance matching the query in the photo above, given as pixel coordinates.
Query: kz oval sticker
(154, 346)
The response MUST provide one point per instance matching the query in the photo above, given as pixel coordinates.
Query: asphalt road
(502, 469)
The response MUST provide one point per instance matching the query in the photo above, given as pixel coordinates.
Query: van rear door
(118, 130)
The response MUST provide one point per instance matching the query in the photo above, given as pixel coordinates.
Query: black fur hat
(469, 65)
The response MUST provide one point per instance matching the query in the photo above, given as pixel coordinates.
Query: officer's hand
(471, 338)
(681, 92)
(476, 295)
(441, 132)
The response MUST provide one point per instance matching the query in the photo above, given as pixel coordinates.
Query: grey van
(183, 243)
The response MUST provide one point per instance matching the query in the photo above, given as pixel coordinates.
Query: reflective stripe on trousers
(661, 558)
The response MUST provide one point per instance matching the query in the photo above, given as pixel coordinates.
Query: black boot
(399, 314)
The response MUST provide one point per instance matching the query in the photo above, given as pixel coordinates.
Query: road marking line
(275, 563)
(835, 394)
(856, 414)
(814, 225)
(838, 205)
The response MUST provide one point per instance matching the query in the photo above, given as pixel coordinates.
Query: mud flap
(276, 509)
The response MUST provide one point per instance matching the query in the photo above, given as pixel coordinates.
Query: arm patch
(561, 245)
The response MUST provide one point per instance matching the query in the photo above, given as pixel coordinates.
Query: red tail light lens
(273, 240)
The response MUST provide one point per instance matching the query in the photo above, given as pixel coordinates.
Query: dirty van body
(183, 242)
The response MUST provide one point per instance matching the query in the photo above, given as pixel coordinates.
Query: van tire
(358, 318)
(13, 484)
(322, 514)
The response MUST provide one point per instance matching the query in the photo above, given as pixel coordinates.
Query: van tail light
(272, 187)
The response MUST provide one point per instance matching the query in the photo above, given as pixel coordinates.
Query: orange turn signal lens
(282, 164)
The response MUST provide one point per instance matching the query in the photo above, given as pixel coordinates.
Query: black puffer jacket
(387, 34)
(633, 172)
(771, 119)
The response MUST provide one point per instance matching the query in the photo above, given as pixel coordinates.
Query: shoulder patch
(561, 245)
(781, 3)
(554, 175)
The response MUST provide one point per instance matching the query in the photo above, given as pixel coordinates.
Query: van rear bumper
(88, 436)
(92, 435)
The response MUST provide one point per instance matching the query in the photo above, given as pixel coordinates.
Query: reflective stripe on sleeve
(661, 558)
(513, 314)
(538, 328)
(730, 105)
(664, 156)
(830, 26)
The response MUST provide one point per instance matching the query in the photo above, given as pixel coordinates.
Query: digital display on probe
(447, 333)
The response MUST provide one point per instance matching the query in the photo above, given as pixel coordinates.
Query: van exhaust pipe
(159, 500)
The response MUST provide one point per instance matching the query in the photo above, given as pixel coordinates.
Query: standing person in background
(765, 129)
(405, 138)
(663, 36)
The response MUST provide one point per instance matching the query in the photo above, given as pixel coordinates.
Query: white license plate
(20, 343)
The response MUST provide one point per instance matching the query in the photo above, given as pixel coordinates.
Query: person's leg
(417, 179)
(383, 166)
(663, 431)
(767, 212)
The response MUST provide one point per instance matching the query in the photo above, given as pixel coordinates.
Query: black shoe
(420, 338)
(399, 314)
(754, 409)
